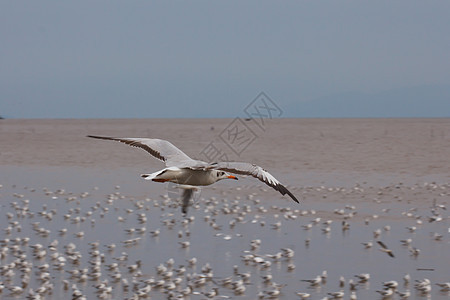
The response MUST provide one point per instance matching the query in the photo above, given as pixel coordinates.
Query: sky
(207, 59)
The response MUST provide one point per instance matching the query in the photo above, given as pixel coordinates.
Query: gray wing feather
(255, 171)
(382, 244)
(160, 149)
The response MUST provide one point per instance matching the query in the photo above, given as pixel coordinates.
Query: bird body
(386, 293)
(392, 284)
(337, 295)
(363, 277)
(445, 287)
(187, 176)
(315, 281)
(404, 295)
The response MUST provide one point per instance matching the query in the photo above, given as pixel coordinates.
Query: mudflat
(359, 181)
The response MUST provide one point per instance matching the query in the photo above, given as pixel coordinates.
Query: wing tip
(293, 197)
(283, 190)
(100, 137)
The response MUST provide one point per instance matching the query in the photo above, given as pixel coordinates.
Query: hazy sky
(84, 59)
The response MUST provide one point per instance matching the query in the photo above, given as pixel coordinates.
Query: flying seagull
(384, 248)
(189, 173)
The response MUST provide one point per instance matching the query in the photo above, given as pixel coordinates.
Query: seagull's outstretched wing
(382, 244)
(160, 149)
(255, 171)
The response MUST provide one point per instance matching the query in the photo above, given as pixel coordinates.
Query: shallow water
(119, 193)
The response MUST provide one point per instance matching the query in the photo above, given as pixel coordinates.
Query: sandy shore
(397, 147)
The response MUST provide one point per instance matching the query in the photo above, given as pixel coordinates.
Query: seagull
(386, 293)
(384, 248)
(315, 281)
(445, 287)
(390, 284)
(189, 173)
(404, 295)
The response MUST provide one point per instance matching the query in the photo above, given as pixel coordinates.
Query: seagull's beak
(232, 177)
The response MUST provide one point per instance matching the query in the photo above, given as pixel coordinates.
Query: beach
(358, 180)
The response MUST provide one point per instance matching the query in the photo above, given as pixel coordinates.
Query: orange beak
(233, 177)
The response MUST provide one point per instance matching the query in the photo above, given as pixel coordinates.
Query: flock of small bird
(85, 245)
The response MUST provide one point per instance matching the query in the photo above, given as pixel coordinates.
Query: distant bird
(315, 281)
(352, 285)
(414, 251)
(342, 281)
(384, 248)
(189, 173)
(184, 244)
(337, 295)
(406, 279)
(363, 277)
(303, 295)
(155, 232)
(411, 228)
(437, 236)
(445, 287)
(423, 285)
(406, 242)
(404, 295)
(367, 245)
(386, 293)
(390, 284)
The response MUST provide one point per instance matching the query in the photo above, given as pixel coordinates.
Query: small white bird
(303, 295)
(406, 242)
(315, 281)
(155, 232)
(422, 283)
(414, 251)
(368, 244)
(406, 279)
(390, 284)
(411, 228)
(404, 295)
(363, 277)
(445, 287)
(424, 289)
(212, 294)
(341, 281)
(352, 285)
(386, 293)
(184, 244)
(337, 295)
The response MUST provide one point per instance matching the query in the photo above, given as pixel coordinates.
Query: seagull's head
(224, 175)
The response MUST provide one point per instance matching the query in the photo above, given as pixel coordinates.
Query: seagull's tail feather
(151, 176)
